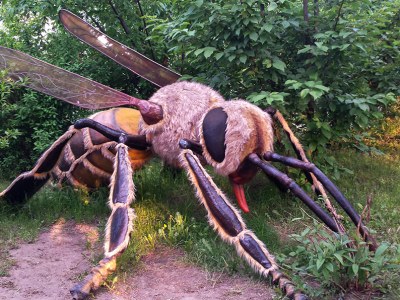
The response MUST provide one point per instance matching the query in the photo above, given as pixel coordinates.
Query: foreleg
(227, 221)
(331, 188)
(119, 224)
(301, 155)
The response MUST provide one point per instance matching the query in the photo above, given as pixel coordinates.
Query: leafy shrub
(330, 259)
(332, 72)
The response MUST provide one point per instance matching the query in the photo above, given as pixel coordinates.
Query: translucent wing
(125, 56)
(62, 84)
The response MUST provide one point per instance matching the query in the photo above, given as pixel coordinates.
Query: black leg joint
(271, 171)
(326, 182)
(290, 161)
(270, 110)
(192, 145)
(132, 141)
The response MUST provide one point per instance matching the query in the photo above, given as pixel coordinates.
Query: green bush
(335, 263)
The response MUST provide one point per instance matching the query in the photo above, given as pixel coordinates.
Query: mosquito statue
(187, 125)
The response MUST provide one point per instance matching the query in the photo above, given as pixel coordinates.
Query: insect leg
(330, 187)
(134, 141)
(230, 226)
(290, 184)
(28, 183)
(119, 225)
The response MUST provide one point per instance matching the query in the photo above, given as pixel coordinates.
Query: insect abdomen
(88, 158)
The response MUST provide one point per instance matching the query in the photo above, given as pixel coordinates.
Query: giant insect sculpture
(187, 125)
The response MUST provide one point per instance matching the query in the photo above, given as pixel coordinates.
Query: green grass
(376, 177)
(168, 213)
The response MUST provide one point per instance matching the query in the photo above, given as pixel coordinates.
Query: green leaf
(272, 6)
(285, 24)
(278, 64)
(219, 55)
(198, 51)
(316, 94)
(322, 87)
(326, 133)
(267, 27)
(208, 51)
(320, 262)
(304, 50)
(267, 63)
(329, 266)
(321, 46)
(344, 47)
(355, 268)
(243, 59)
(382, 248)
(304, 93)
(254, 36)
(363, 106)
(257, 98)
(339, 258)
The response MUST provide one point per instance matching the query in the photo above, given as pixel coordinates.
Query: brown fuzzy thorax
(184, 104)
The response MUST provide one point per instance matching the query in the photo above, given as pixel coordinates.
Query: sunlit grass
(168, 213)
(376, 177)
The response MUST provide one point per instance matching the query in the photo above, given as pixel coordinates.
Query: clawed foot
(96, 277)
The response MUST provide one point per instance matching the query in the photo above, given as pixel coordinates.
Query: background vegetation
(332, 67)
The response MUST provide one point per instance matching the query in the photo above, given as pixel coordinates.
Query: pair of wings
(78, 90)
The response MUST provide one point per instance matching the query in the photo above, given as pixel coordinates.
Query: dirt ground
(48, 268)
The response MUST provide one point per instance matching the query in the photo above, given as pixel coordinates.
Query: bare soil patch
(48, 268)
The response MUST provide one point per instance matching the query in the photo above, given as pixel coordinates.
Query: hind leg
(119, 224)
(27, 184)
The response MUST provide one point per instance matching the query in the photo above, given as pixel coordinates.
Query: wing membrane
(61, 84)
(125, 56)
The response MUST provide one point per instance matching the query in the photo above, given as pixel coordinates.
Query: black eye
(214, 127)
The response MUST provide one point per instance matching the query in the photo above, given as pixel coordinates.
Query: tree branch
(305, 11)
(93, 20)
(145, 28)
(121, 20)
(316, 15)
(338, 15)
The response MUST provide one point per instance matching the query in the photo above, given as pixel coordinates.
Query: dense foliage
(331, 66)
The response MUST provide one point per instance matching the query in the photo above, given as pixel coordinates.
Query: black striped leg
(227, 221)
(27, 184)
(330, 187)
(119, 224)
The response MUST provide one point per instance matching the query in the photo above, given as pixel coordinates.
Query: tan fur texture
(184, 104)
(217, 227)
(249, 130)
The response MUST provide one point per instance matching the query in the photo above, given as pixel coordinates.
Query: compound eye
(214, 128)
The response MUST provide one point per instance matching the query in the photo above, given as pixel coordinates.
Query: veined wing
(125, 56)
(61, 84)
